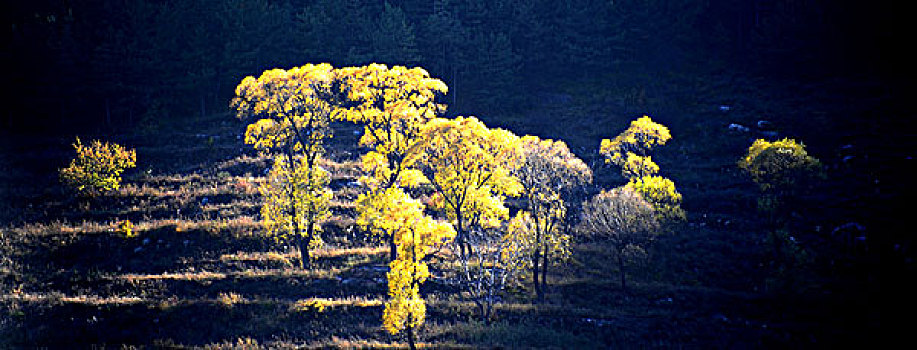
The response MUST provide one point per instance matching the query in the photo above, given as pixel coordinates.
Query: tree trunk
(410, 333)
(304, 257)
(294, 218)
(392, 249)
(535, 260)
(544, 270)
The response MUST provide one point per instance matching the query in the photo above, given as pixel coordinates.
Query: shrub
(126, 228)
(97, 168)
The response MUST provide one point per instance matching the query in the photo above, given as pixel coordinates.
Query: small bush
(97, 168)
(126, 228)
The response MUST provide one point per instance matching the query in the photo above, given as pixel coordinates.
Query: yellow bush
(97, 167)
(126, 228)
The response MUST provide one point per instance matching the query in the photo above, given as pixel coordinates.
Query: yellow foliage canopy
(630, 149)
(661, 193)
(294, 106)
(780, 164)
(393, 104)
(469, 166)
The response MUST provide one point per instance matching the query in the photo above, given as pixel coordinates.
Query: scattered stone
(597, 322)
(848, 226)
(725, 108)
(738, 127)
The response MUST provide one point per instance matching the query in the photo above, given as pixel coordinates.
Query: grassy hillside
(199, 275)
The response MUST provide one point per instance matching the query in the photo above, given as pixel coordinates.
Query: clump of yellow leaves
(630, 151)
(126, 228)
(779, 164)
(661, 193)
(97, 167)
(393, 104)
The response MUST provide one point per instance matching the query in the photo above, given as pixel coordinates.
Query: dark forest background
(128, 63)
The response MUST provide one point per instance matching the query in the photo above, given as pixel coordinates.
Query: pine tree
(393, 39)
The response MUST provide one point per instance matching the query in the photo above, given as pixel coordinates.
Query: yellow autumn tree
(296, 202)
(552, 178)
(416, 236)
(469, 168)
(630, 150)
(393, 105)
(293, 109)
(780, 168)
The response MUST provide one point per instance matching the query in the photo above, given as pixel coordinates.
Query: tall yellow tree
(551, 177)
(469, 168)
(293, 109)
(630, 150)
(416, 236)
(393, 105)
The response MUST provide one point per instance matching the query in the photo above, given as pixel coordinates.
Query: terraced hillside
(199, 274)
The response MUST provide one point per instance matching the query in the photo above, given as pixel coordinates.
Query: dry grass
(57, 298)
(64, 228)
(182, 276)
(283, 258)
(321, 304)
(358, 251)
